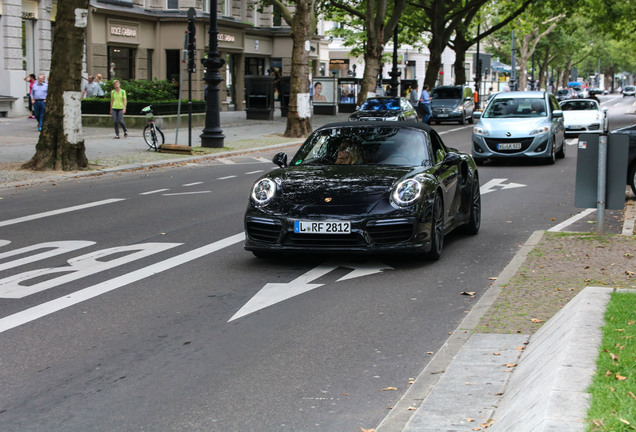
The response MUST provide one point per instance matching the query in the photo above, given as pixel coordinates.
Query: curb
(405, 408)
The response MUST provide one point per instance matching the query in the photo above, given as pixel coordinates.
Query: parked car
(566, 93)
(629, 90)
(631, 158)
(520, 124)
(385, 108)
(364, 187)
(594, 91)
(452, 104)
(584, 115)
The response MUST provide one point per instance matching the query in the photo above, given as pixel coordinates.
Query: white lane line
(60, 211)
(255, 172)
(154, 191)
(192, 184)
(262, 159)
(571, 220)
(227, 177)
(187, 193)
(226, 161)
(58, 304)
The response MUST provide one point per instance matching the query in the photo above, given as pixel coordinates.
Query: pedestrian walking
(91, 88)
(38, 99)
(425, 104)
(100, 90)
(118, 104)
(31, 79)
(414, 99)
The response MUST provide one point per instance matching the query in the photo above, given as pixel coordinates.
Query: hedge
(102, 106)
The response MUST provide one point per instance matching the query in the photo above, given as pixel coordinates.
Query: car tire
(471, 120)
(462, 121)
(474, 219)
(561, 153)
(479, 162)
(632, 178)
(437, 229)
(550, 160)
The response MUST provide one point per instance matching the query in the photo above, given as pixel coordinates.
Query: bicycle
(152, 134)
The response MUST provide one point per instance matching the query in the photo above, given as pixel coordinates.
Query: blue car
(520, 125)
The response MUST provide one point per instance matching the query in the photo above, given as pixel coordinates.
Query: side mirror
(604, 109)
(477, 114)
(557, 114)
(451, 159)
(280, 159)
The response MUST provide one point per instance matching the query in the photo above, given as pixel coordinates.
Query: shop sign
(227, 38)
(29, 10)
(118, 31)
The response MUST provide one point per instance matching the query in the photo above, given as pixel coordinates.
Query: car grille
(492, 144)
(330, 241)
(390, 231)
(442, 110)
(264, 230)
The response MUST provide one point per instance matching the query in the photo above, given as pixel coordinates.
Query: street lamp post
(395, 73)
(212, 135)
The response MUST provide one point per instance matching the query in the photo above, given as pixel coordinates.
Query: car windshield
(563, 92)
(381, 104)
(364, 146)
(515, 107)
(579, 106)
(630, 88)
(446, 93)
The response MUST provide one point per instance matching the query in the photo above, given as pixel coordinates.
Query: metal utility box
(586, 193)
(259, 97)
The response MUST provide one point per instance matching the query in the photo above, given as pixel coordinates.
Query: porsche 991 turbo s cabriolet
(372, 187)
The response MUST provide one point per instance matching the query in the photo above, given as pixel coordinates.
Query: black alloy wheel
(437, 229)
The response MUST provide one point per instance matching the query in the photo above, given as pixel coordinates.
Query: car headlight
(392, 118)
(263, 191)
(478, 130)
(540, 130)
(459, 109)
(406, 192)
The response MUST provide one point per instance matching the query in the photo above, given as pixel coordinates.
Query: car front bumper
(486, 147)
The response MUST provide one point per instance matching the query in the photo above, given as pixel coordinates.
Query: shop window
(172, 4)
(254, 66)
(173, 64)
(121, 63)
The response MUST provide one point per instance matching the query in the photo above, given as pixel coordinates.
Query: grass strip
(613, 389)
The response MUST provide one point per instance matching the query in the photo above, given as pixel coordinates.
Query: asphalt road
(124, 317)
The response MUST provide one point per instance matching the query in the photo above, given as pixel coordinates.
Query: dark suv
(452, 104)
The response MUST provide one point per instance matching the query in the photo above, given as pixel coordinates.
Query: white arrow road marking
(60, 211)
(273, 293)
(494, 183)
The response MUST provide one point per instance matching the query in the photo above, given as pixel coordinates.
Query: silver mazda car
(520, 124)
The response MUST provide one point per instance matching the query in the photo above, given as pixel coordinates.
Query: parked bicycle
(152, 134)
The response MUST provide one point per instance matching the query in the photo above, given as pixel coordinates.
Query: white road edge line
(36, 312)
(60, 211)
(571, 220)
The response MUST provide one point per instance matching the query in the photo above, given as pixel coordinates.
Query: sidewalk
(18, 137)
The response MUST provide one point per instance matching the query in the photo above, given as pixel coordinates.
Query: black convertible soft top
(358, 124)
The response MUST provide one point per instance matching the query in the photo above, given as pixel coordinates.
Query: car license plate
(574, 127)
(509, 146)
(324, 227)
(442, 115)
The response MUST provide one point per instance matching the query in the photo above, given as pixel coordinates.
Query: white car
(584, 116)
(629, 90)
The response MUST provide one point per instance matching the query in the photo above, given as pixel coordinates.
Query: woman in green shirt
(118, 108)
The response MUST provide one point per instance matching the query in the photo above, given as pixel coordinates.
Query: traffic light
(192, 30)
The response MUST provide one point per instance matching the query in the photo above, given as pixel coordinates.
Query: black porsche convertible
(372, 187)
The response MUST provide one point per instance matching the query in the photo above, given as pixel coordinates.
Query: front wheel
(474, 219)
(153, 137)
(552, 157)
(561, 153)
(437, 230)
(632, 178)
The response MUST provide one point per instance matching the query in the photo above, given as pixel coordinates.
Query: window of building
(277, 16)
(206, 6)
(149, 65)
(173, 63)
(226, 7)
(254, 66)
(121, 63)
(172, 4)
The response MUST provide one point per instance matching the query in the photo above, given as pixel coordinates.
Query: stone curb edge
(404, 409)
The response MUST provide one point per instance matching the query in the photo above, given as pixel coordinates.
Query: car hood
(581, 117)
(375, 113)
(337, 190)
(446, 103)
(499, 127)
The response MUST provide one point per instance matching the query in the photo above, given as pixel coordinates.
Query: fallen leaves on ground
(389, 389)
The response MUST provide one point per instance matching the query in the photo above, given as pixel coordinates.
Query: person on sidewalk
(38, 98)
(118, 104)
(100, 83)
(31, 79)
(425, 104)
(91, 88)
(413, 98)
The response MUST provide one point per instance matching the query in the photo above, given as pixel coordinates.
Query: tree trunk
(61, 144)
(461, 45)
(299, 113)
